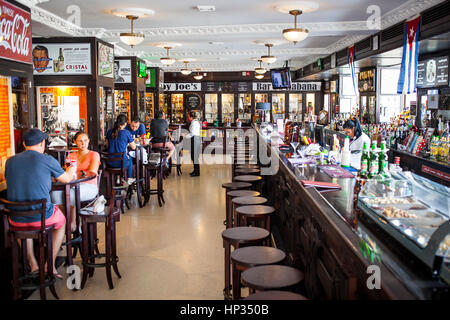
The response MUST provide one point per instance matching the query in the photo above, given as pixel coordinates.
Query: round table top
(245, 234)
(246, 201)
(243, 193)
(247, 178)
(255, 210)
(271, 277)
(275, 295)
(236, 185)
(257, 255)
(80, 178)
(247, 170)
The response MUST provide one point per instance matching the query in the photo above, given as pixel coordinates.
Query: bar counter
(322, 236)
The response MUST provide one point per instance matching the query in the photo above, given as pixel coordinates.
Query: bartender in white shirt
(353, 129)
(194, 134)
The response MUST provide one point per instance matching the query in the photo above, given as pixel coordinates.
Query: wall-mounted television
(281, 78)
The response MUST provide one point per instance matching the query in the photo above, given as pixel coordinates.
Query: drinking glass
(294, 145)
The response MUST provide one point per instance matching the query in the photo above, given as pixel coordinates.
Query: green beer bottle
(365, 161)
(383, 159)
(373, 163)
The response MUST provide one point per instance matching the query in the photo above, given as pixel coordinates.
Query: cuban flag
(351, 63)
(408, 72)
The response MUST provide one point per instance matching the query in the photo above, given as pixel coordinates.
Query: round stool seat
(247, 166)
(243, 235)
(248, 201)
(243, 193)
(247, 178)
(236, 185)
(275, 295)
(271, 277)
(257, 256)
(247, 171)
(255, 210)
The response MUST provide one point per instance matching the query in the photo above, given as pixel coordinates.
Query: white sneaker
(130, 181)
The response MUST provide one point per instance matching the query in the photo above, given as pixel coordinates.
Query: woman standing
(353, 129)
(194, 133)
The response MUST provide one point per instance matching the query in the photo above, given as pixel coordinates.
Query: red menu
(320, 184)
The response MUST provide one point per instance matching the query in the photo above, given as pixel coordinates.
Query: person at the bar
(136, 128)
(88, 162)
(118, 140)
(158, 131)
(357, 137)
(29, 178)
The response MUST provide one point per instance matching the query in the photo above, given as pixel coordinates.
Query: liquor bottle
(433, 148)
(373, 161)
(382, 159)
(364, 161)
(61, 61)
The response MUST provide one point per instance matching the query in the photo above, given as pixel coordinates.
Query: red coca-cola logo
(15, 33)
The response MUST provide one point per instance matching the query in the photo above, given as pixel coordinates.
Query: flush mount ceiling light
(198, 76)
(132, 38)
(167, 60)
(268, 59)
(186, 71)
(295, 34)
(138, 12)
(259, 76)
(260, 69)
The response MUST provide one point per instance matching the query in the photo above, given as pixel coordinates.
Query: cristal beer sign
(15, 33)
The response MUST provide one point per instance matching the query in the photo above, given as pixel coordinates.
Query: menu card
(320, 184)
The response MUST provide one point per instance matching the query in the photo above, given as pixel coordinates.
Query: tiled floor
(172, 252)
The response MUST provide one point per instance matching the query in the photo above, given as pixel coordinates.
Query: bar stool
(89, 221)
(233, 186)
(275, 295)
(247, 171)
(271, 277)
(258, 215)
(244, 201)
(239, 237)
(254, 180)
(155, 168)
(235, 194)
(248, 257)
(114, 174)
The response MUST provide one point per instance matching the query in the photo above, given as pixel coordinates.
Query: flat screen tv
(281, 78)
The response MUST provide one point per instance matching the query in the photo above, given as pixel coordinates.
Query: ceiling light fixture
(295, 34)
(260, 69)
(198, 76)
(259, 76)
(268, 59)
(132, 38)
(167, 60)
(186, 71)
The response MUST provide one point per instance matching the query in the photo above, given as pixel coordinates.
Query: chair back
(12, 209)
(106, 158)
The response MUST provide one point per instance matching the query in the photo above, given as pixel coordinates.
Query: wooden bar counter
(322, 237)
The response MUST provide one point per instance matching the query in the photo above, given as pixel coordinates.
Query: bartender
(353, 129)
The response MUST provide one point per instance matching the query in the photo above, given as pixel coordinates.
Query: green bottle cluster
(374, 163)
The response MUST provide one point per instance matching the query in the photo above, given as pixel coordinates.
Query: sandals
(58, 276)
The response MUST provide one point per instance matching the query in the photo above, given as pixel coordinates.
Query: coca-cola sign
(15, 33)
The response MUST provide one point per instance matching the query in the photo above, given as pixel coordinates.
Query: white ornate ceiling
(235, 25)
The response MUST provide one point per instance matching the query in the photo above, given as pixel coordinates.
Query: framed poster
(61, 59)
(122, 71)
(193, 101)
(105, 60)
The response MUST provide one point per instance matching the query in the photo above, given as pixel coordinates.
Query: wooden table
(61, 153)
(65, 187)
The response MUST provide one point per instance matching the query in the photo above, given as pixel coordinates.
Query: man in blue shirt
(29, 177)
(136, 128)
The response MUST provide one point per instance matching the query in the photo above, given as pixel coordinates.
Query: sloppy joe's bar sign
(194, 86)
(15, 33)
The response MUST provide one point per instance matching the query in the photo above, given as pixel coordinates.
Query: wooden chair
(43, 235)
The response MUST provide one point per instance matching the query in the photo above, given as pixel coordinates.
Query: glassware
(294, 145)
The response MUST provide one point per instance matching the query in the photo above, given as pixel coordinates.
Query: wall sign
(432, 73)
(295, 86)
(243, 86)
(436, 173)
(366, 80)
(122, 71)
(195, 86)
(105, 60)
(62, 59)
(193, 101)
(15, 33)
(150, 82)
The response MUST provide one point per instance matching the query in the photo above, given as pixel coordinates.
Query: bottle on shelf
(382, 159)
(365, 161)
(373, 161)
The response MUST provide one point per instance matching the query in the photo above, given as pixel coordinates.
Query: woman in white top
(194, 130)
(357, 138)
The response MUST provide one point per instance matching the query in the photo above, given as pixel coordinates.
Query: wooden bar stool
(239, 237)
(229, 186)
(254, 180)
(247, 171)
(248, 257)
(257, 215)
(248, 166)
(89, 220)
(235, 194)
(275, 295)
(271, 277)
(244, 201)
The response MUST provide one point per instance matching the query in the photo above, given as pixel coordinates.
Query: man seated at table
(159, 131)
(29, 178)
(136, 128)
